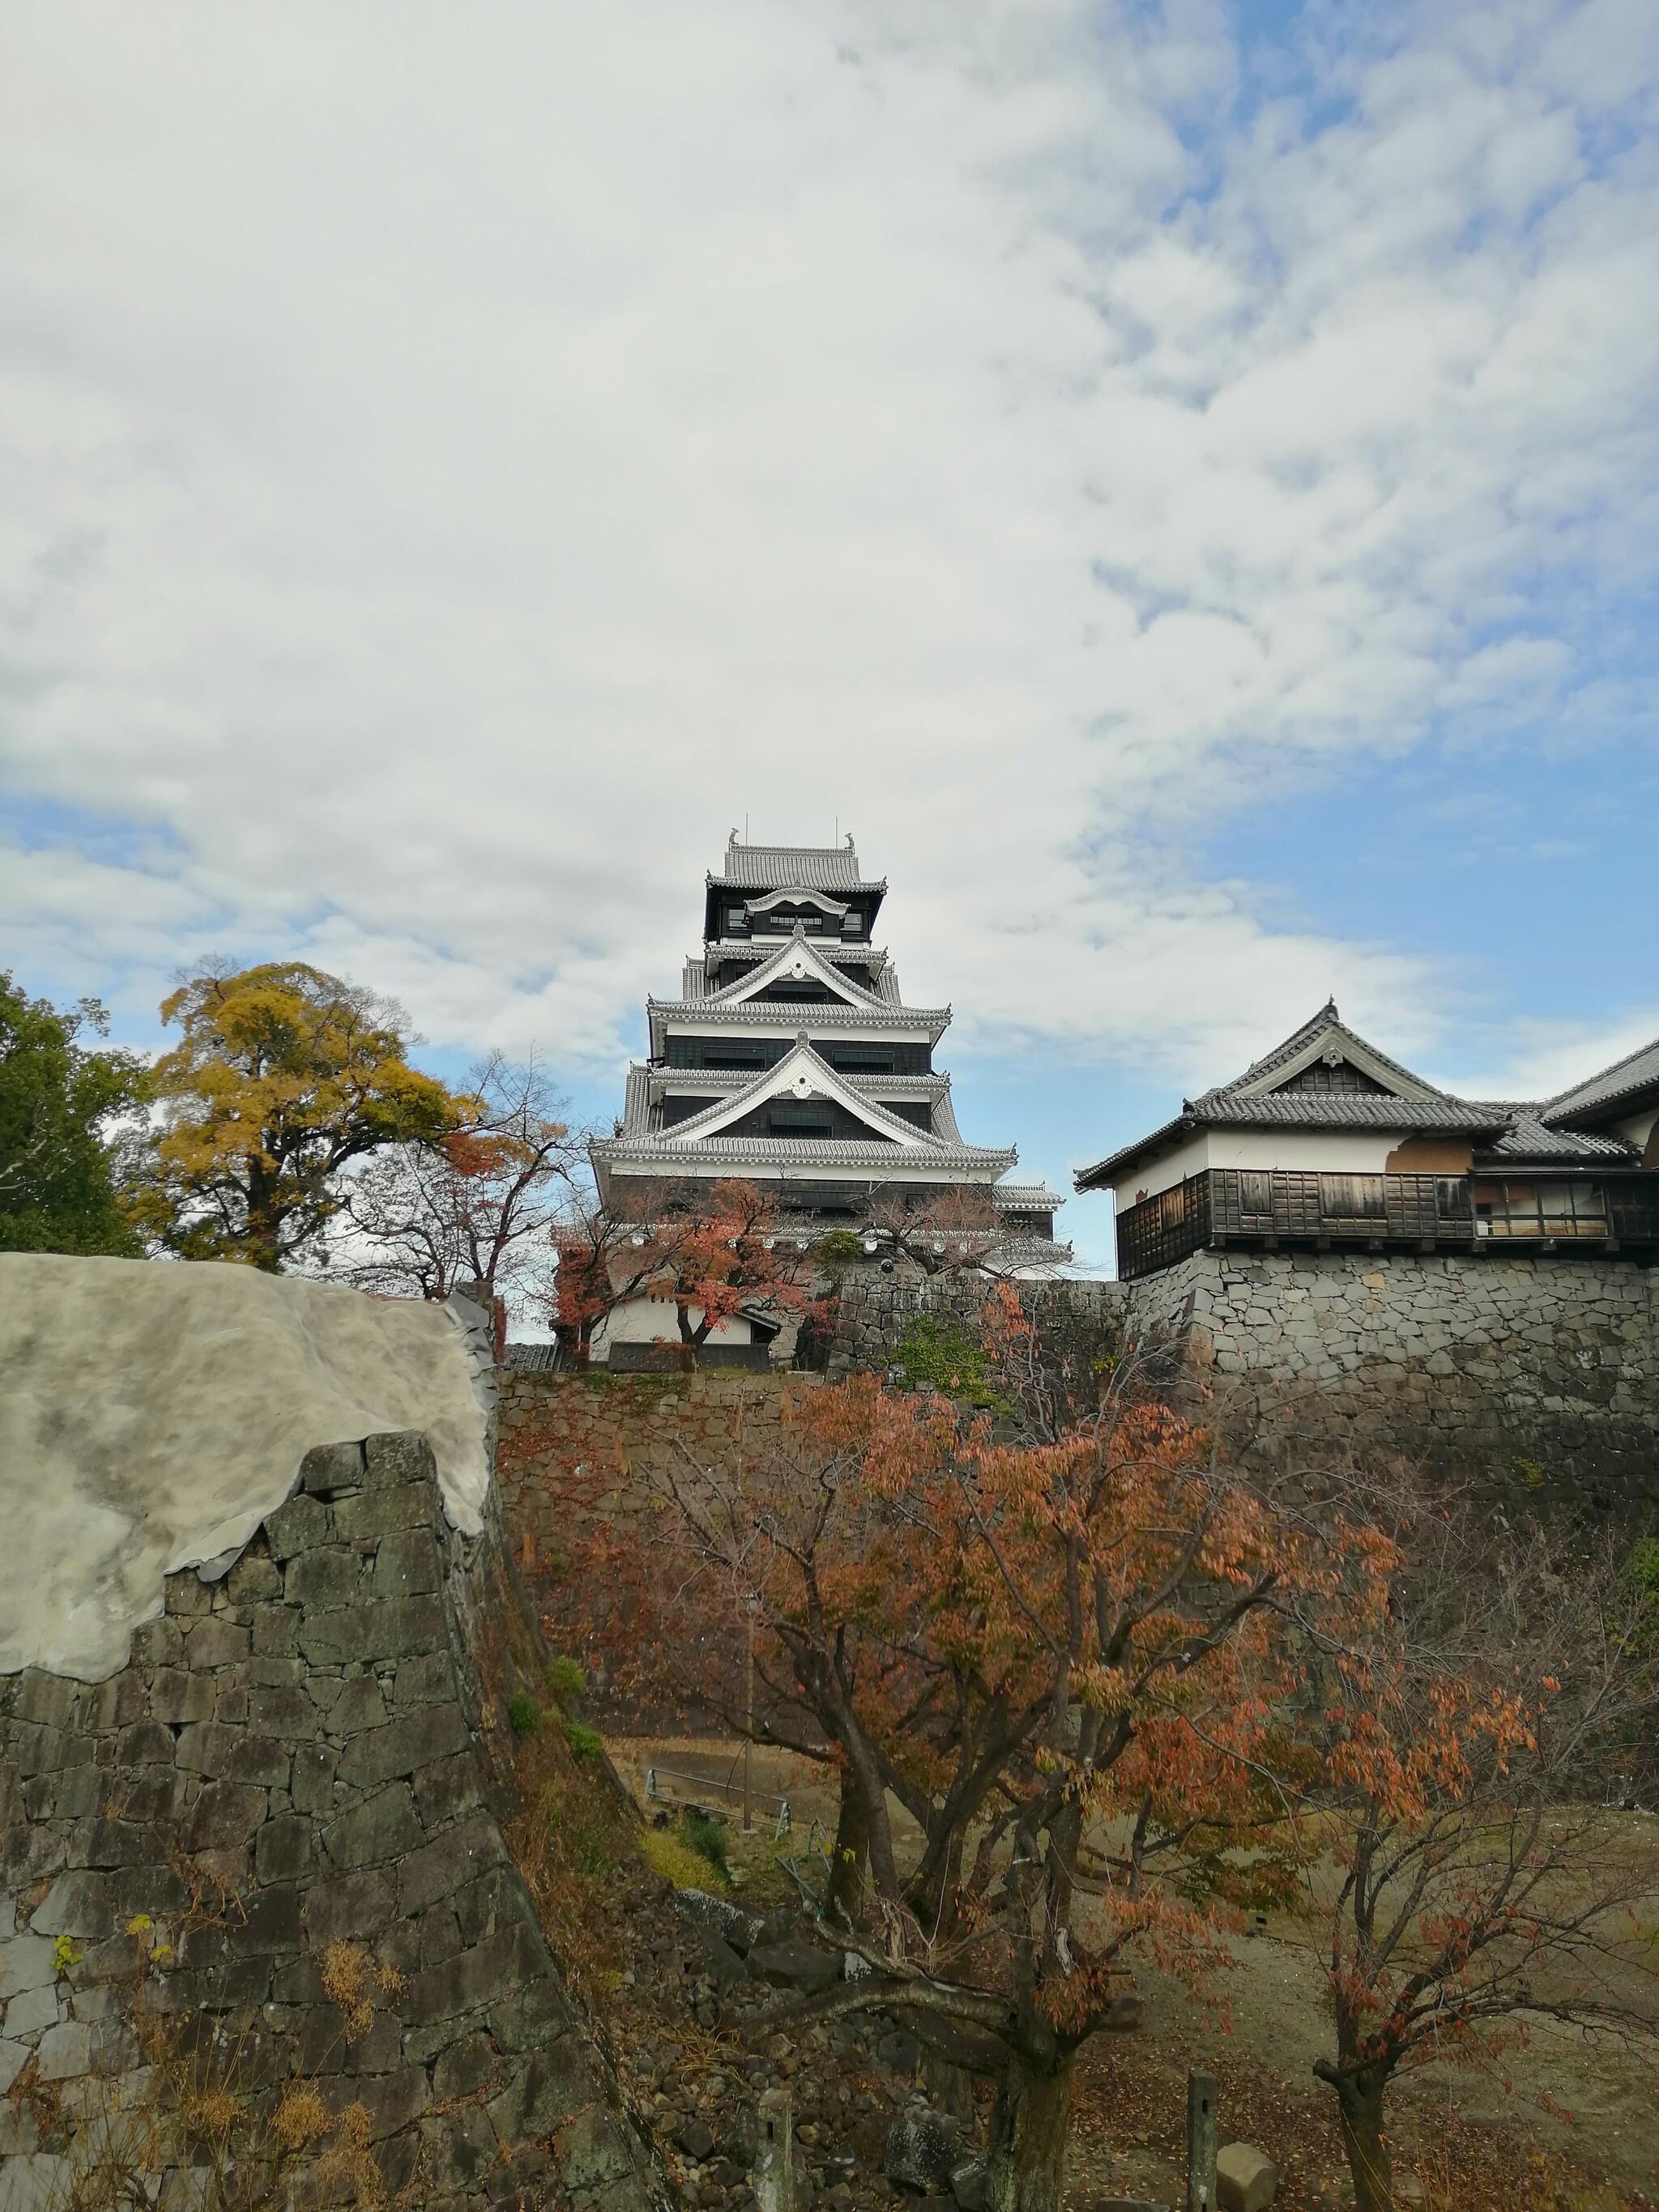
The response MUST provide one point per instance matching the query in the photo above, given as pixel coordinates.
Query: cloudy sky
(1180, 481)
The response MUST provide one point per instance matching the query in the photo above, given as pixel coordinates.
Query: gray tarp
(151, 1415)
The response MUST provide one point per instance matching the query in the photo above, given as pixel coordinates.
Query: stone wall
(1545, 1369)
(303, 1754)
(874, 1311)
(552, 1423)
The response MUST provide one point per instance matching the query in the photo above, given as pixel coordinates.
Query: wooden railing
(1267, 1207)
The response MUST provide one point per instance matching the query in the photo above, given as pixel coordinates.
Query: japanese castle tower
(791, 1060)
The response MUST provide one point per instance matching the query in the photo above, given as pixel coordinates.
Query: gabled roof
(796, 958)
(1326, 1037)
(1258, 1099)
(1630, 1081)
(801, 1073)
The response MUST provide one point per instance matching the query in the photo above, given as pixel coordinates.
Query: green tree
(282, 1076)
(57, 1096)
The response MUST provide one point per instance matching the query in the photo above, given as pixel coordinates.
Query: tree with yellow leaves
(282, 1076)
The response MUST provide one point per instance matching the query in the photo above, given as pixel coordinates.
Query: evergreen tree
(58, 1191)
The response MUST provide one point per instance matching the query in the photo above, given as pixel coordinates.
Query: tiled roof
(788, 1014)
(1341, 1109)
(814, 868)
(1250, 1102)
(1327, 1025)
(1530, 1137)
(532, 1358)
(1637, 1070)
(1026, 1197)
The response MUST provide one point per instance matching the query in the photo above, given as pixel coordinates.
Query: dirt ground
(1561, 2110)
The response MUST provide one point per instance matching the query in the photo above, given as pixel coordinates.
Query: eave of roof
(1301, 1110)
(828, 1151)
(1630, 1082)
(799, 1013)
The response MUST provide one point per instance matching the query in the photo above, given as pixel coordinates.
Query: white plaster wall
(655, 1321)
(1327, 1151)
(1636, 1129)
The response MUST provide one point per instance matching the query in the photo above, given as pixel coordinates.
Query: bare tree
(958, 1231)
(482, 1204)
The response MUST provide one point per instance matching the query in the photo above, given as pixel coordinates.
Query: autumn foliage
(281, 1077)
(1050, 1658)
(709, 1256)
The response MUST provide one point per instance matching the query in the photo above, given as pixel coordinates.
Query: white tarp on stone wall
(151, 1416)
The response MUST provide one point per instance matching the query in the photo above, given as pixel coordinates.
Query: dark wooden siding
(1268, 1206)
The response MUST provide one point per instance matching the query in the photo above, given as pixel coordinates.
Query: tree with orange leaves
(1478, 1888)
(1067, 1655)
(712, 1254)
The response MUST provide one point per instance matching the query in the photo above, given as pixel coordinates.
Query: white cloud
(454, 466)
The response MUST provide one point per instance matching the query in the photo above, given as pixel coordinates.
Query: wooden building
(1326, 1143)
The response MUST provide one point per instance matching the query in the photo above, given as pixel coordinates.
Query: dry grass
(195, 2103)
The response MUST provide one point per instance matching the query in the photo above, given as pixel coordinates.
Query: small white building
(1327, 1142)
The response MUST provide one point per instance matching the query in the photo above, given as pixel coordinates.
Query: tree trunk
(850, 1855)
(1359, 2101)
(1025, 2168)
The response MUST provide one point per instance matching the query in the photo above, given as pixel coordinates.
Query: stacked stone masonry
(295, 1756)
(1545, 1367)
(551, 1424)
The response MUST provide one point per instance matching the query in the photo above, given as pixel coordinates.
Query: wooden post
(749, 1724)
(773, 2174)
(1201, 2143)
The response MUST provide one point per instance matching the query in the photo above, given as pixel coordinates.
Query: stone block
(447, 1790)
(254, 1579)
(282, 1709)
(399, 1455)
(354, 1706)
(216, 1642)
(311, 1785)
(232, 1755)
(416, 1739)
(326, 1576)
(297, 1527)
(26, 1962)
(224, 1816)
(282, 1848)
(382, 1828)
(407, 1565)
(388, 1630)
(64, 2050)
(30, 2011)
(447, 1863)
(329, 1471)
(1246, 2178)
(482, 1975)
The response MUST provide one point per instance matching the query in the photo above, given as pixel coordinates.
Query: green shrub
(707, 1839)
(524, 1714)
(936, 1355)
(565, 1678)
(1642, 1565)
(585, 1743)
(670, 1855)
(838, 1247)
